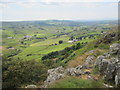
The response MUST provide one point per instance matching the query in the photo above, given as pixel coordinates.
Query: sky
(28, 10)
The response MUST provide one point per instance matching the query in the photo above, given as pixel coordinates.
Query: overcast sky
(20, 10)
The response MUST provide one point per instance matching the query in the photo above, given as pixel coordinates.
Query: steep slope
(96, 65)
(100, 67)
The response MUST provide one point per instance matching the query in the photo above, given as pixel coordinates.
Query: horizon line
(58, 20)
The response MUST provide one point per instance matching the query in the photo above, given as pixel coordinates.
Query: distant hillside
(59, 22)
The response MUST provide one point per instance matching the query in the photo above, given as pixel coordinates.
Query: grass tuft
(73, 82)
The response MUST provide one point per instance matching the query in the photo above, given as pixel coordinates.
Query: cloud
(48, 1)
(3, 5)
(32, 3)
(26, 4)
(43, 10)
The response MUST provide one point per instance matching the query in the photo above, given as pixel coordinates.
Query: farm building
(71, 41)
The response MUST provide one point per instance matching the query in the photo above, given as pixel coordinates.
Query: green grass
(38, 51)
(43, 47)
(73, 82)
(38, 47)
(50, 41)
(95, 71)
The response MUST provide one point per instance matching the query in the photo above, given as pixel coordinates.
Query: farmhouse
(71, 41)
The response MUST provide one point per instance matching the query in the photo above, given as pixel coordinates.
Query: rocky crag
(108, 65)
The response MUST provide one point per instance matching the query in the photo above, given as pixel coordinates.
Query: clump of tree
(78, 46)
(61, 41)
(62, 52)
(60, 58)
(18, 73)
(71, 38)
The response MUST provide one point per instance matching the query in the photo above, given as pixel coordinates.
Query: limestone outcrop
(108, 65)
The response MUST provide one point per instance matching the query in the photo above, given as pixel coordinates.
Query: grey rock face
(110, 72)
(73, 72)
(108, 86)
(54, 77)
(56, 70)
(92, 51)
(70, 71)
(60, 72)
(107, 38)
(89, 60)
(107, 55)
(54, 74)
(99, 60)
(114, 48)
(90, 77)
(79, 67)
(113, 68)
(118, 55)
(110, 68)
(117, 78)
(103, 66)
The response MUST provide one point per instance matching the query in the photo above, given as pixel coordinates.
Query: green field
(35, 40)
